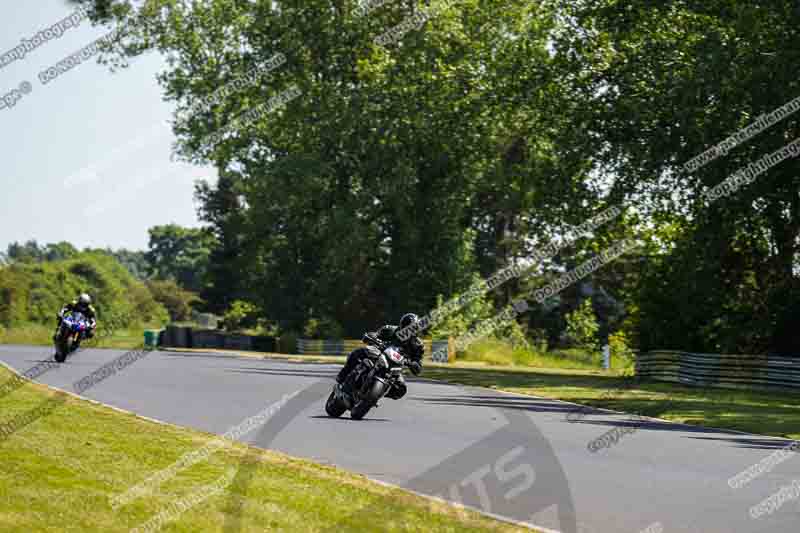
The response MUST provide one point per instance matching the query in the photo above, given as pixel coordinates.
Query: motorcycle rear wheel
(333, 406)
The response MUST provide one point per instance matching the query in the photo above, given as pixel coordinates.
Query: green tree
(180, 254)
(231, 258)
(398, 152)
(59, 251)
(660, 83)
(30, 252)
(33, 252)
(402, 171)
(134, 260)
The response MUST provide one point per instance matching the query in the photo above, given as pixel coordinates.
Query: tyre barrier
(187, 337)
(345, 346)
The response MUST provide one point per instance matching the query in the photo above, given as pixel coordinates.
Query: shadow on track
(330, 373)
(537, 481)
(755, 442)
(501, 402)
(593, 416)
(350, 420)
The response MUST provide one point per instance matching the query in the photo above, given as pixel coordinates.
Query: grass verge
(764, 413)
(499, 353)
(60, 472)
(41, 335)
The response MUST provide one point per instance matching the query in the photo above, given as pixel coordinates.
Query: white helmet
(84, 299)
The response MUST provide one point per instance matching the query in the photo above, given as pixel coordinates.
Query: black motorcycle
(369, 381)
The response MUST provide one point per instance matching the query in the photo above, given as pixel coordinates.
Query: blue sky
(86, 158)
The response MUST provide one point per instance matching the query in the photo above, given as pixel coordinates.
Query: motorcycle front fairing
(390, 365)
(76, 322)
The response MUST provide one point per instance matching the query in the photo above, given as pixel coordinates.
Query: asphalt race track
(513, 456)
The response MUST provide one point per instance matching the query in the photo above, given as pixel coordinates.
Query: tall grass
(36, 334)
(30, 333)
(502, 353)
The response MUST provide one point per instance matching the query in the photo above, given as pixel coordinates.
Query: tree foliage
(403, 171)
(179, 254)
(356, 201)
(664, 82)
(33, 252)
(35, 292)
(582, 326)
(174, 298)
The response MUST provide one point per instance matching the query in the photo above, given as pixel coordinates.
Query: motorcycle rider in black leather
(412, 349)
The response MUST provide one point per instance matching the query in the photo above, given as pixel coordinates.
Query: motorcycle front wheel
(62, 348)
(369, 400)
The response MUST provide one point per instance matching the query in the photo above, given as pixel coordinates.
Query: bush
(480, 308)
(459, 322)
(323, 328)
(582, 327)
(240, 315)
(514, 335)
(177, 300)
(33, 293)
(622, 356)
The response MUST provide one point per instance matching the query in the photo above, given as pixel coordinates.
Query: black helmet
(408, 319)
(84, 300)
